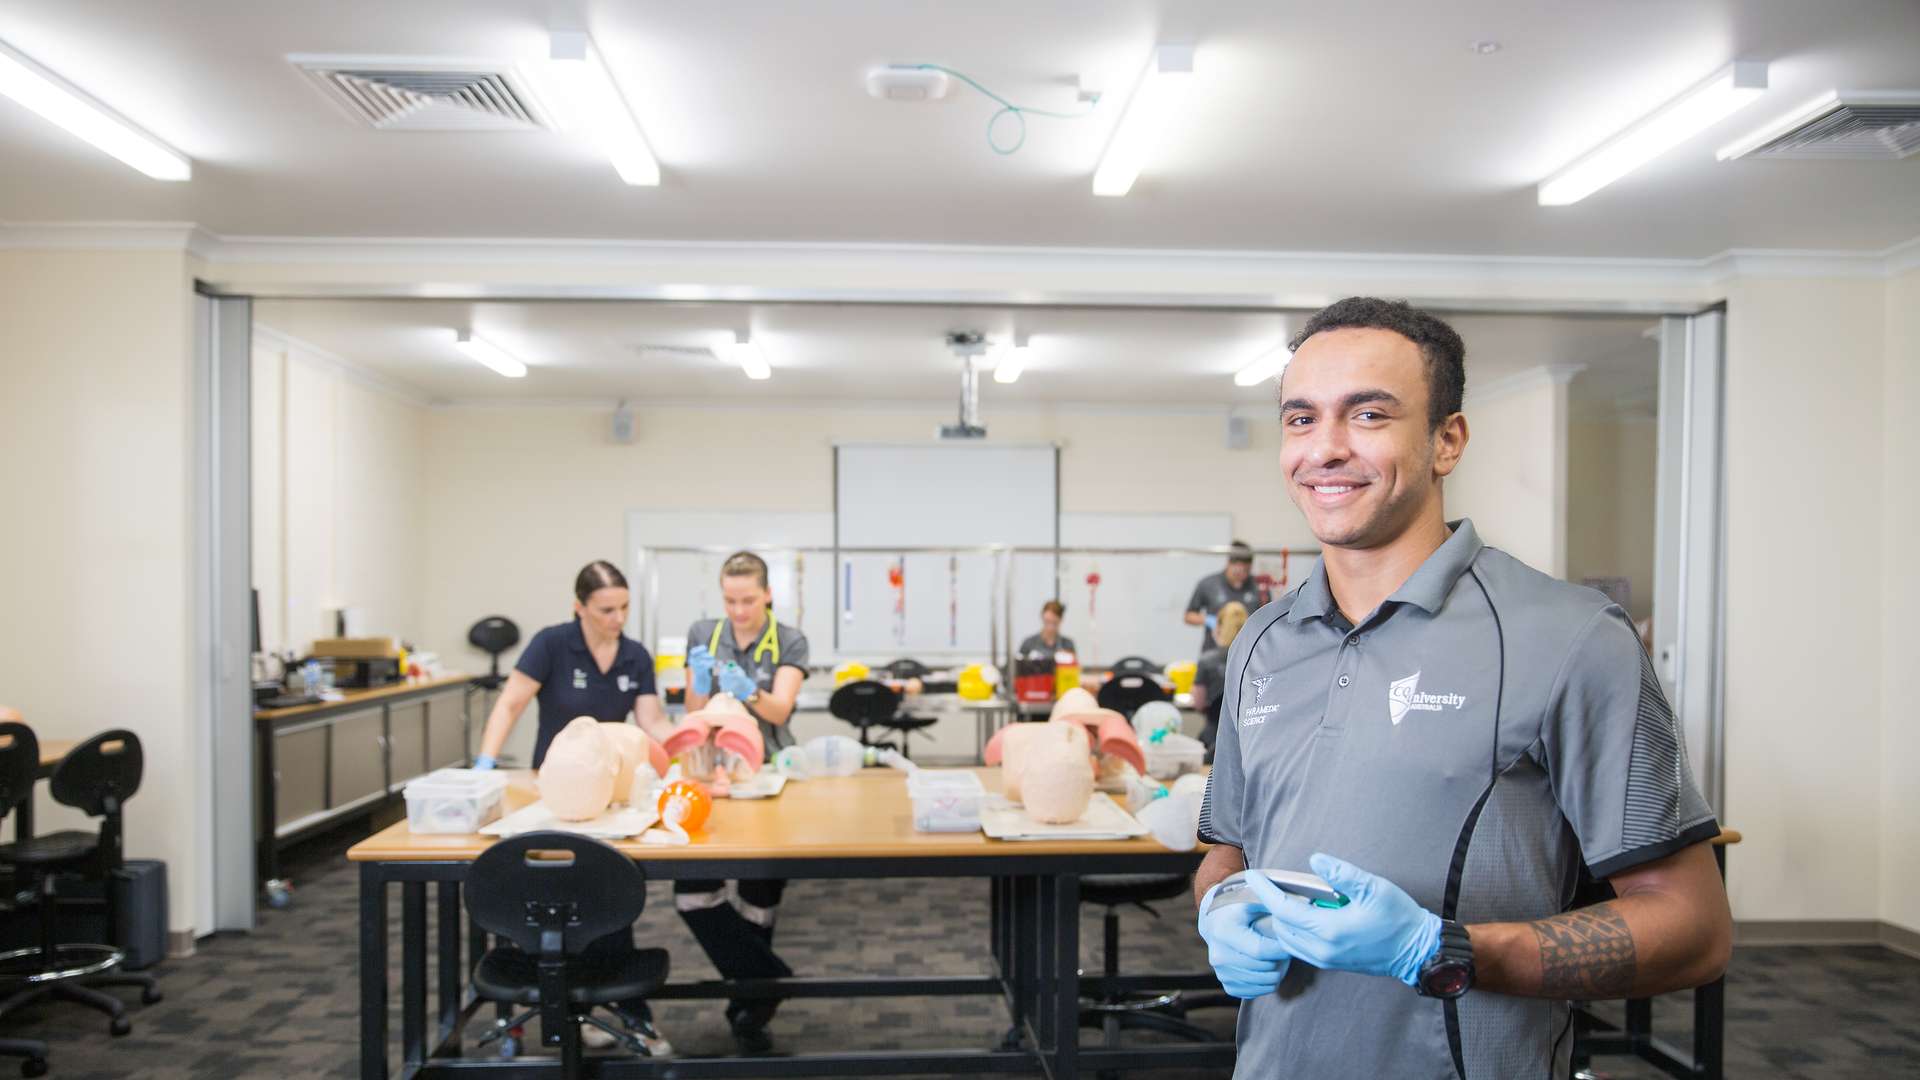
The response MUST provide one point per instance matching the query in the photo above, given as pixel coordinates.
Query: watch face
(1447, 979)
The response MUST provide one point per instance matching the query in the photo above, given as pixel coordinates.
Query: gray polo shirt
(759, 665)
(1214, 592)
(1475, 740)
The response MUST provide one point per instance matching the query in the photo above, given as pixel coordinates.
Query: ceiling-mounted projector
(966, 344)
(900, 82)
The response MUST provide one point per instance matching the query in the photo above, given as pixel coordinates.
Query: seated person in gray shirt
(1049, 640)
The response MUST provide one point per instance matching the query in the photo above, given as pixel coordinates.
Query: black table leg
(1709, 1029)
(1066, 990)
(23, 818)
(413, 972)
(448, 923)
(373, 972)
(1046, 968)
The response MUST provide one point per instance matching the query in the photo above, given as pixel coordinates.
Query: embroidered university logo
(1260, 688)
(1404, 696)
(1257, 712)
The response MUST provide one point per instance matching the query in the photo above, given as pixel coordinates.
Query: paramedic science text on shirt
(1451, 739)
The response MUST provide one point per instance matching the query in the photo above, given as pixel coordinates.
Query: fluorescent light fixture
(1163, 88)
(1656, 133)
(69, 107)
(1268, 365)
(487, 353)
(1011, 359)
(1780, 125)
(746, 352)
(593, 106)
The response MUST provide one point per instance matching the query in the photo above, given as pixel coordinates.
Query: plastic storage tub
(1173, 756)
(454, 800)
(945, 800)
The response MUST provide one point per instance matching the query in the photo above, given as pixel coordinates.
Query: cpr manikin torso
(577, 778)
(1055, 775)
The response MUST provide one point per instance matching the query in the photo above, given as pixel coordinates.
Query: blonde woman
(1210, 684)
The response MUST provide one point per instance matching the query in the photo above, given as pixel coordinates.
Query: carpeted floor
(283, 1001)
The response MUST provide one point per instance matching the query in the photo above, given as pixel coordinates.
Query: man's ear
(1449, 443)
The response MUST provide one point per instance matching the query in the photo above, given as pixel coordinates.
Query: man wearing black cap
(1215, 591)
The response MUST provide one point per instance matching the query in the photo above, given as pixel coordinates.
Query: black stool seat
(1111, 890)
(510, 975)
(912, 723)
(69, 845)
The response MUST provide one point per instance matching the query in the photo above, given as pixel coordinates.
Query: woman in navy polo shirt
(586, 667)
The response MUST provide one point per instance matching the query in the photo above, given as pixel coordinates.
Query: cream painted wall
(1900, 600)
(338, 513)
(1804, 451)
(1612, 470)
(1512, 480)
(98, 572)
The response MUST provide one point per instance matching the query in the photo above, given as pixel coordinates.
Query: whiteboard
(1138, 606)
(688, 583)
(946, 495)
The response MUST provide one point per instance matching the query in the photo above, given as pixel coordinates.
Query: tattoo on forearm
(1586, 954)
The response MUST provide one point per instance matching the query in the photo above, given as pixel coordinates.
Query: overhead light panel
(1162, 91)
(746, 352)
(71, 108)
(1011, 360)
(1268, 365)
(487, 353)
(1663, 129)
(594, 106)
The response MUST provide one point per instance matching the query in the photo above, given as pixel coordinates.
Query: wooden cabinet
(358, 756)
(406, 743)
(446, 730)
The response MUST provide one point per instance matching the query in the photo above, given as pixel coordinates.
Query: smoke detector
(397, 93)
(1866, 125)
(901, 82)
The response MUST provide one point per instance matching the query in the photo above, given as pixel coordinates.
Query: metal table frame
(1034, 938)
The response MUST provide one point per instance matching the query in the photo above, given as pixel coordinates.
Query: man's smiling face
(1357, 450)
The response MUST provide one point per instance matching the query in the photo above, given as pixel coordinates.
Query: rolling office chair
(551, 894)
(1126, 692)
(19, 760)
(867, 704)
(1135, 665)
(907, 668)
(493, 635)
(97, 778)
(1116, 1012)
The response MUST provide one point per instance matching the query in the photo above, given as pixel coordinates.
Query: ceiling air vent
(391, 93)
(1872, 125)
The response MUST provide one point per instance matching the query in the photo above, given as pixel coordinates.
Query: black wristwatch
(1448, 973)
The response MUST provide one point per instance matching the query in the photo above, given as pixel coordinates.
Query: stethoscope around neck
(767, 648)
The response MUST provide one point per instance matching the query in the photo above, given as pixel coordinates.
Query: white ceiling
(882, 353)
(1314, 127)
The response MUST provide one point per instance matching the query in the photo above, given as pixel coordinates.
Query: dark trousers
(611, 950)
(739, 947)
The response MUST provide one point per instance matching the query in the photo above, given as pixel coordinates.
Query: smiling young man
(1449, 738)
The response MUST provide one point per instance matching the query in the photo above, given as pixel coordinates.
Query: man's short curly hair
(1440, 344)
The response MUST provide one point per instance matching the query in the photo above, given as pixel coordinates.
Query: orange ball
(686, 803)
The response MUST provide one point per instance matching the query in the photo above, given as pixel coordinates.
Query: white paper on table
(761, 785)
(617, 823)
(1104, 820)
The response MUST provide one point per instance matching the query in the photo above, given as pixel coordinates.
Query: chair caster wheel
(33, 1067)
(151, 996)
(279, 895)
(120, 1026)
(510, 1046)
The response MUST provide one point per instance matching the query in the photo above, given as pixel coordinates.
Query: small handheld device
(1309, 888)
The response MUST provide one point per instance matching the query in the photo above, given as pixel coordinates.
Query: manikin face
(605, 611)
(1050, 624)
(1237, 573)
(1358, 456)
(746, 602)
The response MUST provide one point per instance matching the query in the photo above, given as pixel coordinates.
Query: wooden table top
(364, 697)
(52, 750)
(867, 815)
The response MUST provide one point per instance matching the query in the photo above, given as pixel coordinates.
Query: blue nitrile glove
(484, 762)
(1212, 621)
(699, 670)
(1381, 930)
(1248, 963)
(736, 682)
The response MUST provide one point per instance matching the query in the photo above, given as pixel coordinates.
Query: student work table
(849, 827)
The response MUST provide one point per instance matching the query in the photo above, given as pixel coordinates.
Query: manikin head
(744, 592)
(1051, 613)
(1239, 564)
(1370, 420)
(600, 599)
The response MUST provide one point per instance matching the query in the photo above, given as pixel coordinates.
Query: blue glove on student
(736, 682)
(1211, 621)
(699, 670)
(1248, 963)
(1381, 930)
(483, 762)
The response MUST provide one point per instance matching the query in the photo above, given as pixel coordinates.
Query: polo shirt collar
(577, 638)
(1427, 588)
